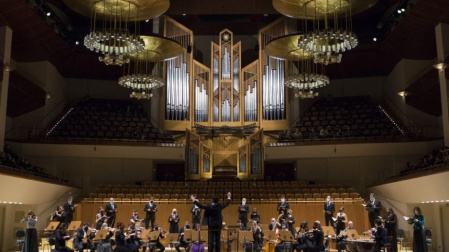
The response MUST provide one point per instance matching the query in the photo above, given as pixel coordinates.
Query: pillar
(442, 40)
(5, 54)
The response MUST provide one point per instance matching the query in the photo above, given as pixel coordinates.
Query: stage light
(48, 14)
(374, 39)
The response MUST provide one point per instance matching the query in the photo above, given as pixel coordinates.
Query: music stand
(74, 225)
(328, 230)
(101, 235)
(270, 236)
(154, 235)
(246, 236)
(146, 235)
(286, 236)
(172, 239)
(352, 234)
(199, 236)
(188, 235)
(52, 226)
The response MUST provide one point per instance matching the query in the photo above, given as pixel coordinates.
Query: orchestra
(104, 238)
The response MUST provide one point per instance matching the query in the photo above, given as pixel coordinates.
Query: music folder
(101, 235)
(245, 236)
(328, 230)
(352, 234)
(188, 234)
(270, 235)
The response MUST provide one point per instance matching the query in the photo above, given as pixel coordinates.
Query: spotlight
(374, 39)
(77, 42)
(48, 14)
(399, 11)
(403, 10)
(147, 20)
(183, 14)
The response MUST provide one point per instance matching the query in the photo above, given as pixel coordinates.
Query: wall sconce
(440, 66)
(7, 68)
(402, 94)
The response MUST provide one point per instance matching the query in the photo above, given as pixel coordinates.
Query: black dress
(30, 244)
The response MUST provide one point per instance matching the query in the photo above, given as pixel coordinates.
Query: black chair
(20, 241)
(400, 236)
(428, 233)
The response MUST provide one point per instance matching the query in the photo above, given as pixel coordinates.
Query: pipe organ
(217, 106)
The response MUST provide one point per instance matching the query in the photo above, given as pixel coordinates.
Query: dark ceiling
(410, 35)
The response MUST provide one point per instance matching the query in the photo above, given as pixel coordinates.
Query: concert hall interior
(260, 98)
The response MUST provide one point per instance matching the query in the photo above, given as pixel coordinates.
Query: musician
(196, 215)
(283, 205)
(174, 221)
(419, 235)
(391, 224)
(380, 235)
(240, 225)
(283, 244)
(341, 220)
(135, 217)
(120, 239)
(317, 238)
(150, 211)
(69, 208)
(341, 239)
(255, 215)
(59, 215)
(30, 244)
(373, 206)
(303, 243)
(105, 244)
(214, 220)
(329, 209)
(273, 224)
(100, 218)
(131, 240)
(291, 221)
(258, 236)
(111, 211)
(158, 243)
(243, 210)
(181, 242)
(81, 240)
(62, 235)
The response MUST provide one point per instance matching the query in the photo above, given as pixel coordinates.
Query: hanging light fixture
(144, 73)
(331, 32)
(331, 25)
(115, 26)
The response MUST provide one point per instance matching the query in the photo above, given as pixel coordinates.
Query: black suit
(69, 209)
(78, 241)
(150, 211)
(380, 238)
(283, 207)
(373, 211)
(214, 222)
(329, 208)
(60, 242)
(243, 214)
(110, 212)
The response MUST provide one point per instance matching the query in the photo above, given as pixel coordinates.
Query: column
(5, 54)
(442, 40)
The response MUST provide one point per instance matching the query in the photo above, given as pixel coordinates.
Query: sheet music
(406, 218)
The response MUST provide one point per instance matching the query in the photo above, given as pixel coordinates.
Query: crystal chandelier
(142, 75)
(332, 30)
(114, 31)
(306, 75)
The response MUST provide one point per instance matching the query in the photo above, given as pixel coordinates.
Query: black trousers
(214, 240)
(111, 221)
(148, 218)
(328, 218)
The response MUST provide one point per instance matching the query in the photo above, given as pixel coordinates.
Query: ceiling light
(265, 15)
(77, 42)
(48, 14)
(147, 20)
(183, 14)
(374, 39)
(399, 11)
(402, 93)
(403, 10)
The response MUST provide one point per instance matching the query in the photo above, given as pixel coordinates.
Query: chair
(48, 243)
(400, 236)
(20, 241)
(428, 233)
(387, 246)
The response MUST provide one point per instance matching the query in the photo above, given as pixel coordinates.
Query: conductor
(214, 220)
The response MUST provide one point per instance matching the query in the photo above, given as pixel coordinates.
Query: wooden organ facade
(225, 100)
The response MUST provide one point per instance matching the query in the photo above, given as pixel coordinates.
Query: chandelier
(115, 26)
(144, 73)
(306, 75)
(331, 30)
(141, 76)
